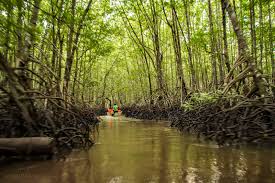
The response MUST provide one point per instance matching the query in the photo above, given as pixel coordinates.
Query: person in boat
(110, 111)
(115, 109)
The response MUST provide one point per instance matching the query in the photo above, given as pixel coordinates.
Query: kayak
(110, 113)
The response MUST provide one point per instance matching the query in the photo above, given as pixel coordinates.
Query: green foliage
(116, 42)
(199, 99)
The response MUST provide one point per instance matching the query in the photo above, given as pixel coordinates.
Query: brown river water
(132, 151)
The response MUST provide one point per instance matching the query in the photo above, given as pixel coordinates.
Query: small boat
(110, 112)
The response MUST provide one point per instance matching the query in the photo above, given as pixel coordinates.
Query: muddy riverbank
(225, 121)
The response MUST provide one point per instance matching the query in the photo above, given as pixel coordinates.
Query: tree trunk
(26, 146)
(177, 49)
(244, 56)
(157, 49)
(19, 52)
(29, 41)
(271, 47)
(253, 30)
(242, 45)
(69, 58)
(54, 40)
(147, 63)
(189, 47)
(261, 33)
(70, 55)
(225, 48)
(241, 13)
(213, 58)
(219, 47)
(60, 39)
(7, 36)
(75, 74)
(59, 68)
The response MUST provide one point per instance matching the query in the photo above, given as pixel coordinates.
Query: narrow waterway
(134, 151)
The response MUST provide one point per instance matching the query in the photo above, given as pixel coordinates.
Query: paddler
(115, 109)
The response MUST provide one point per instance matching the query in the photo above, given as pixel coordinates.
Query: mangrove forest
(137, 91)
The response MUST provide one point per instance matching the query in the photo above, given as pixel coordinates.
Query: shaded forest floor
(226, 120)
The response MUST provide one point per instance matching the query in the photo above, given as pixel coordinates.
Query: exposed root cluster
(26, 112)
(70, 128)
(146, 112)
(227, 122)
(233, 120)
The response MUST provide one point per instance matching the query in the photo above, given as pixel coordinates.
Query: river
(134, 151)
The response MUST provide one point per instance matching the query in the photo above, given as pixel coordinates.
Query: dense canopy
(138, 51)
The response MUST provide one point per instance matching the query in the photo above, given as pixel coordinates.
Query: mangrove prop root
(25, 113)
(226, 121)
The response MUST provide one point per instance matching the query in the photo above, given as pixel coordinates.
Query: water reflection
(131, 151)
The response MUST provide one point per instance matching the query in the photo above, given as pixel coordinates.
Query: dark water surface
(140, 152)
